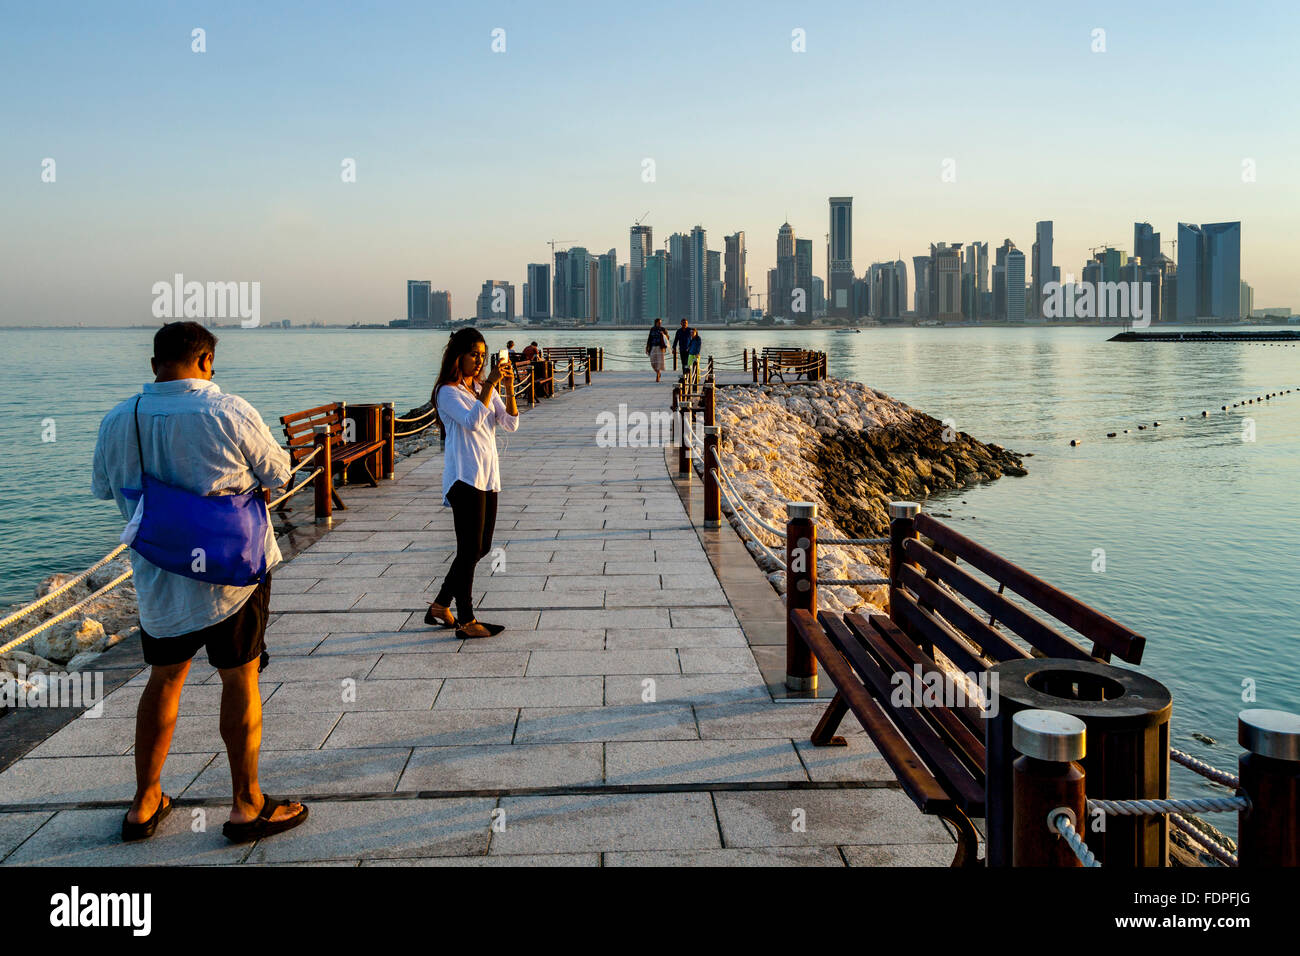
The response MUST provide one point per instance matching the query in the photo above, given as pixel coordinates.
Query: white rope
(414, 431)
(1202, 841)
(735, 513)
(294, 490)
(23, 638)
(735, 496)
(1150, 808)
(1203, 768)
(1060, 822)
(416, 418)
(305, 461)
(66, 586)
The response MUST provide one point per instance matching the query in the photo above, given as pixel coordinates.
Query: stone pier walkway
(620, 719)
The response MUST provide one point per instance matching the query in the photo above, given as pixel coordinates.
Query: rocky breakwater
(850, 449)
(79, 639)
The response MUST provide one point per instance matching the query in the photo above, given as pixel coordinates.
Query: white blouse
(471, 452)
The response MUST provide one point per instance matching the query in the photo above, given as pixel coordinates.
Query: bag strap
(138, 450)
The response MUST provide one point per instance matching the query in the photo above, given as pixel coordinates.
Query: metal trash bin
(1127, 716)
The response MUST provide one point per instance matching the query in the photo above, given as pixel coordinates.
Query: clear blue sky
(225, 165)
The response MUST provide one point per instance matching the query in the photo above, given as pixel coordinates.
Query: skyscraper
(839, 257)
(803, 259)
(417, 300)
(607, 283)
(921, 273)
(439, 308)
(1042, 265)
(1146, 243)
(679, 277)
(946, 269)
(655, 285)
(1015, 279)
(715, 285)
(496, 301)
(735, 291)
(560, 296)
(642, 247)
(699, 272)
(580, 284)
(537, 300)
(1223, 269)
(785, 270)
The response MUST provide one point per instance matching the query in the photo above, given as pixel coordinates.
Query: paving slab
(631, 722)
(827, 818)
(585, 823)
(433, 728)
(504, 766)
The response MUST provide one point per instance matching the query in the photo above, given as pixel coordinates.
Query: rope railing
(62, 589)
(415, 418)
(68, 612)
(1201, 840)
(415, 431)
(1151, 808)
(1059, 821)
(305, 460)
(294, 490)
(752, 536)
(1203, 768)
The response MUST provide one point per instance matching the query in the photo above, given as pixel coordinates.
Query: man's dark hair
(532, 343)
(510, 344)
(179, 343)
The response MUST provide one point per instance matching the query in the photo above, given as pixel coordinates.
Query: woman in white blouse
(470, 412)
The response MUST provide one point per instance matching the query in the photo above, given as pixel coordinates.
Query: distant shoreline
(544, 329)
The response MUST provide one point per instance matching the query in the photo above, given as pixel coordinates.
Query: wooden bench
(561, 355)
(936, 606)
(299, 433)
(778, 361)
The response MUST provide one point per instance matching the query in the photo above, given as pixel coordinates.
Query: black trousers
(475, 515)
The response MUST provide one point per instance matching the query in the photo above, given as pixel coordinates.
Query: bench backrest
(924, 604)
(299, 428)
(565, 352)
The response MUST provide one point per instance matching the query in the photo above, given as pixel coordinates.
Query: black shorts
(231, 642)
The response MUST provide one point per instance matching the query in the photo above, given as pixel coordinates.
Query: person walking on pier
(471, 477)
(693, 348)
(656, 346)
(200, 441)
(682, 342)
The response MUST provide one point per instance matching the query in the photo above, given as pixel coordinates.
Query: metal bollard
(390, 441)
(800, 591)
(1047, 779)
(712, 491)
(323, 484)
(1269, 770)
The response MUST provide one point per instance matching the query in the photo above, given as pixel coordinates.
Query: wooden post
(744, 359)
(753, 366)
(766, 379)
(684, 445)
(1047, 778)
(677, 392)
(600, 366)
(550, 378)
(1269, 771)
(532, 385)
(674, 350)
(570, 374)
(587, 372)
(390, 442)
(800, 591)
(323, 484)
(709, 403)
(712, 491)
(902, 525)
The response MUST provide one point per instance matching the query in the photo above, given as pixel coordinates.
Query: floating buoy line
(1259, 399)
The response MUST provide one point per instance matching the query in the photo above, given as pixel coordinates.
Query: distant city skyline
(331, 155)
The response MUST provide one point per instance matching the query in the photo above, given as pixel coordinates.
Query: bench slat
(1110, 636)
(916, 779)
(1042, 636)
(971, 716)
(958, 737)
(991, 642)
(946, 766)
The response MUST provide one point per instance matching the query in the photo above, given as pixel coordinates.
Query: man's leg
(241, 729)
(155, 719)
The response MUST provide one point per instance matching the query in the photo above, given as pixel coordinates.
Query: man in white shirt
(193, 436)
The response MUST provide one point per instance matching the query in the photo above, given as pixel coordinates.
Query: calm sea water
(1199, 527)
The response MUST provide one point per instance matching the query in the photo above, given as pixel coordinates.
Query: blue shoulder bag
(219, 539)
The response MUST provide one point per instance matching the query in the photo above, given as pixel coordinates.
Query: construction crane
(643, 215)
(1174, 243)
(553, 243)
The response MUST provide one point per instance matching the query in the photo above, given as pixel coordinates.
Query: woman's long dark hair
(461, 343)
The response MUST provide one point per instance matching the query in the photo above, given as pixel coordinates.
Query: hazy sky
(225, 165)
